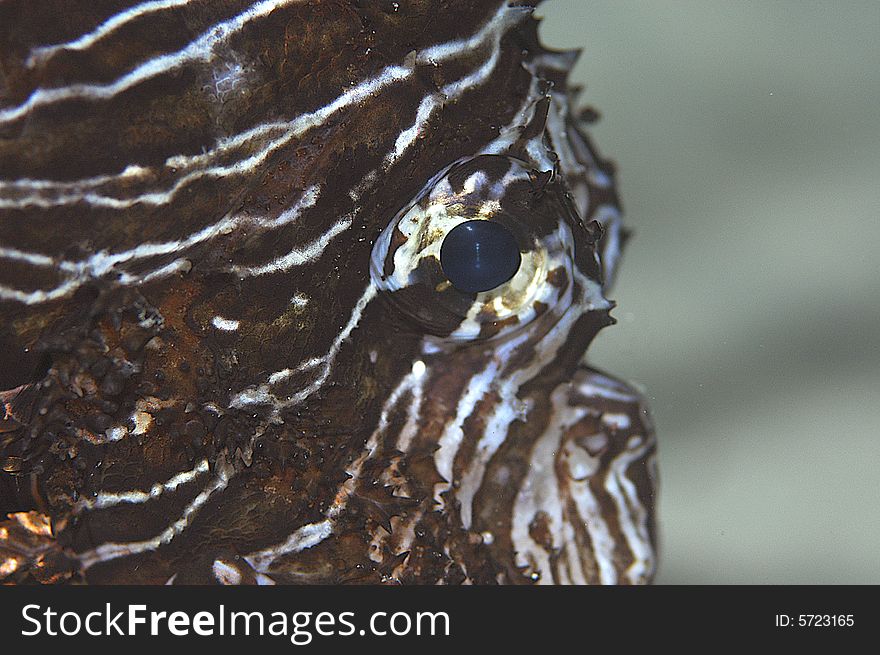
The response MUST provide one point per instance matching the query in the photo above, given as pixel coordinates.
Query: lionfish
(300, 292)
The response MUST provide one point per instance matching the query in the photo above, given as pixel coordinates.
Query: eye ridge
(479, 255)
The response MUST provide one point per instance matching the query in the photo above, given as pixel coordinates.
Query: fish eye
(480, 251)
(479, 256)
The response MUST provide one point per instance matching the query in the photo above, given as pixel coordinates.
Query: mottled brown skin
(76, 366)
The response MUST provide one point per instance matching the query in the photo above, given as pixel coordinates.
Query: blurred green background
(748, 141)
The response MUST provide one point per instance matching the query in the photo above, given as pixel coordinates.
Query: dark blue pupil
(479, 255)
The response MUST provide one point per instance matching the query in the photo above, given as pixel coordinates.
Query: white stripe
(410, 428)
(450, 49)
(633, 516)
(496, 28)
(572, 554)
(403, 531)
(297, 256)
(600, 536)
(453, 433)
(602, 386)
(109, 551)
(102, 263)
(303, 538)
(107, 27)
(226, 574)
(557, 129)
(510, 133)
(314, 533)
(506, 412)
(108, 499)
(562, 61)
(289, 130)
(539, 493)
(262, 395)
(199, 50)
(33, 258)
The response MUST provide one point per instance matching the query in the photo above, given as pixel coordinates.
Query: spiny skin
(209, 374)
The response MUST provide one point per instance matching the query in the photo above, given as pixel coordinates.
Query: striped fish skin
(211, 372)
